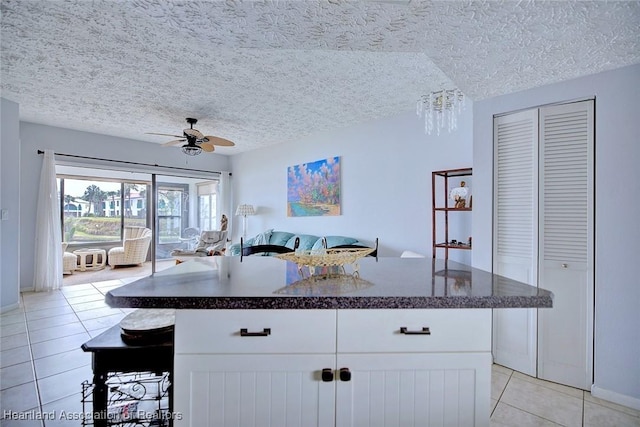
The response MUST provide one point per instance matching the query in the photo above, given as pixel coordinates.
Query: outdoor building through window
(97, 204)
(92, 210)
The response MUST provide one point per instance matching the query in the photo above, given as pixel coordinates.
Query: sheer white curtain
(48, 251)
(224, 202)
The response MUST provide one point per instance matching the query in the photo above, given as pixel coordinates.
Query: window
(207, 205)
(91, 208)
(97, 204)
(173, 211)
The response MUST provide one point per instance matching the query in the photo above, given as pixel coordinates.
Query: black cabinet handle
(245, 333)
(345, 374)
(424, 331)
(327, 375)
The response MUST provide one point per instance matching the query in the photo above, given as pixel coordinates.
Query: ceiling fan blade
(216, 140)
(175, 142)
(163, 134)
(207, 147)
(194, 132)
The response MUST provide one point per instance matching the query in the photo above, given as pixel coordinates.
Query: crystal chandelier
(440, 110)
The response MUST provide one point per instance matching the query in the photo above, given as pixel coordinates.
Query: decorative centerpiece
(326, 257)
(338, 257)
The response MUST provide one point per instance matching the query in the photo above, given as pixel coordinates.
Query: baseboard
(612, 396)
(9, 307)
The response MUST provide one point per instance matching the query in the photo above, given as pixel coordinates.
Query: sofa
(285, 238)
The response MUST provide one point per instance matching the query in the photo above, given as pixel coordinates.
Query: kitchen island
(406, 341)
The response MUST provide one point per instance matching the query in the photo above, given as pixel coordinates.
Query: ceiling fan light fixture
(193, 142)
(191, 150)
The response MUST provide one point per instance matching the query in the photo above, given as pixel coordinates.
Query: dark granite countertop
(269, 283)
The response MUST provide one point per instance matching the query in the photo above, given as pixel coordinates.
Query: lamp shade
(245, 210)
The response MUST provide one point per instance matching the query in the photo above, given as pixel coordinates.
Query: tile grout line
(31, 359)
(531, 413)
(583, 416)
(501, 394)
(37, 379)
(535, 415)
(549, 388)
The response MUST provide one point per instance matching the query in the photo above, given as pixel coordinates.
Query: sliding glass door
(184, 208)
(98, 204)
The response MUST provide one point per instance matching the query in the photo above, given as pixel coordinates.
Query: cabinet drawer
(265, 331)
(381, 331)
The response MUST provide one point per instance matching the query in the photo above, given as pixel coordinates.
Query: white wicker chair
(69, 260)
(135, 248)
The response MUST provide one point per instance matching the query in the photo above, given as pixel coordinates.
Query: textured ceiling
(262, 73)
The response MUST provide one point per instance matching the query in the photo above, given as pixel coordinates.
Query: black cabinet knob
(345, 374)
(327, 375)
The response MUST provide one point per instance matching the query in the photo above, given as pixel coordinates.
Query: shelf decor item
(459, 195)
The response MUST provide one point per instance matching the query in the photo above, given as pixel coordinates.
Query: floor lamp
(244, 211)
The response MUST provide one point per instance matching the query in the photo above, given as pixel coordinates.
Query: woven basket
(326, 257)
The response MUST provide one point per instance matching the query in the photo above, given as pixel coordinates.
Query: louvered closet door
(515, 233)
(565, 335)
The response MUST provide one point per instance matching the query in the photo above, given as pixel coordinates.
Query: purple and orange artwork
(313, 189)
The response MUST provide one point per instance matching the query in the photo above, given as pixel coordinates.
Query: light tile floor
(42, 368)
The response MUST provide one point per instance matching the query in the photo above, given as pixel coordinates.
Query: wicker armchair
(69, 260)
(135, 248)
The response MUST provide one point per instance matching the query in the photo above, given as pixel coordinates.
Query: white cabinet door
(242, 390)
(420, 389)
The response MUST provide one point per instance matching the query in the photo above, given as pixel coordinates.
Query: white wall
(386, 181)
(38, 137)
(9, 200)
(617, 184)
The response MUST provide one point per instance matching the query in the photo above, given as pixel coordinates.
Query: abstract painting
(313, 189)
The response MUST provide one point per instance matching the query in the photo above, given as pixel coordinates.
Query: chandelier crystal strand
(445, 105)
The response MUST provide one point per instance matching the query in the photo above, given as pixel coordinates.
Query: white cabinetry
(333, 368)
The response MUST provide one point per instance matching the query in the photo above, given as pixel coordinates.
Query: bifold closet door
(565, 332)
(516, 234)
(543, 235)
